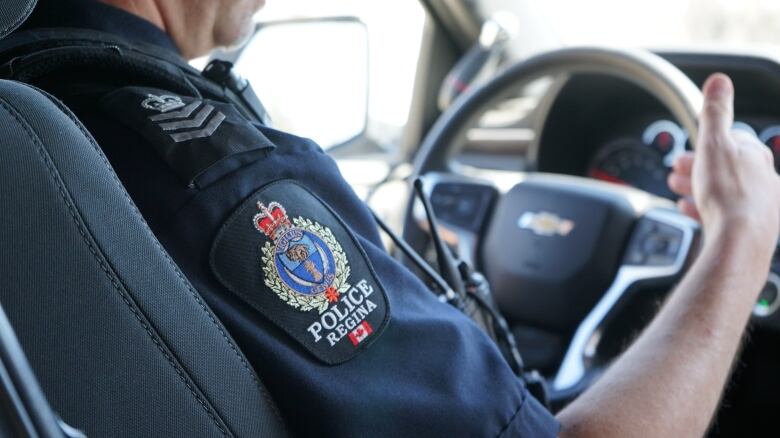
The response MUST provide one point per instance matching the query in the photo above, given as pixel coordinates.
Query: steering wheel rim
(644, 69)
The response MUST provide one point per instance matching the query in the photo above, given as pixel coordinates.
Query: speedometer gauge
(771, 137)
(742, 126)
(667, 138)
(631, 163)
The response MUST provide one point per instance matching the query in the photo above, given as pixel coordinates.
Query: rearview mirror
(312, 76)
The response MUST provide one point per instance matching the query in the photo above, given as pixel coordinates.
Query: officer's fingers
(742, 136)
(770, 158)
(717, 114)
(680, 183)
(683, 164)
(688, 208)
(764, 153)
(748, 143)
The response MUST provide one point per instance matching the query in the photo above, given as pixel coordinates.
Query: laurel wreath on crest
(302, 302)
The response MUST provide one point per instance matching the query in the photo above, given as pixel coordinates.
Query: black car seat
(121, 343)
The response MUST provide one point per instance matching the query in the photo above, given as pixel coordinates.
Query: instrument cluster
(645, 160)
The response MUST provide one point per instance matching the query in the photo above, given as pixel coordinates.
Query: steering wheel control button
(654, 244)
(768, 301)
(462, 205)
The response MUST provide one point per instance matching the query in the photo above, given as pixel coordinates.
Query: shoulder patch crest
(292, 259)
(304, 263)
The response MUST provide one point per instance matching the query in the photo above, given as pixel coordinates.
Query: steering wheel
(560, 252)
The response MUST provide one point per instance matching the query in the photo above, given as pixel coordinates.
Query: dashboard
(644, 158)
(611, 130)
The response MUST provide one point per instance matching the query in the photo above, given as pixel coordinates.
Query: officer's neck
(191, 32)
(146, 9)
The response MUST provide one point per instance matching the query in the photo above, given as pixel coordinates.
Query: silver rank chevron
(183, 122)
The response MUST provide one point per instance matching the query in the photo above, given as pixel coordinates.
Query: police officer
(349, 342)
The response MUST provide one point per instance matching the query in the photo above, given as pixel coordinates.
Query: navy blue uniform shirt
(348, 341)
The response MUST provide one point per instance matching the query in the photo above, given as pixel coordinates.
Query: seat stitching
(107, 270)
(19, 20)
(195, 295)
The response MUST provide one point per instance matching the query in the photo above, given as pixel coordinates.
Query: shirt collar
(94, 15)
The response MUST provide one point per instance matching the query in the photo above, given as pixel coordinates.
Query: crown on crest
(162, 103)
(272, 220)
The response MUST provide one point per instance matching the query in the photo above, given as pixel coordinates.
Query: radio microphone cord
(467, 290)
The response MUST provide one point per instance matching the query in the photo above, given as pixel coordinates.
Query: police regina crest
(286, 254)
(302, 263)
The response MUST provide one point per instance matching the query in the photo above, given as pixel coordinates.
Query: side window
(312, 75)
(336, 71)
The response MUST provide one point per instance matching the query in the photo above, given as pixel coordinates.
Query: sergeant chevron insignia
(291, 258)
(200, 139)
(196, 120)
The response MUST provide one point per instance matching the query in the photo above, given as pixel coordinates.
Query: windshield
(657, 24)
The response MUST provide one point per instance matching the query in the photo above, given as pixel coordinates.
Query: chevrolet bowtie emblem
(545, 224)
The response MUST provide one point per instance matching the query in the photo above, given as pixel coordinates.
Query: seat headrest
(13, 13)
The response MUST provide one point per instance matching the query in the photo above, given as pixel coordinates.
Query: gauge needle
(604, 176)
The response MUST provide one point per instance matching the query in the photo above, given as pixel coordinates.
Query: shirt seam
(514, 416)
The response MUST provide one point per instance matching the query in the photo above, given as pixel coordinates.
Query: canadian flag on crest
(360, 333)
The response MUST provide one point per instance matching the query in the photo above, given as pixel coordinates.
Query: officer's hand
(730, 183)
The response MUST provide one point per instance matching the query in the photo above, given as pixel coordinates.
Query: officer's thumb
(717, 115)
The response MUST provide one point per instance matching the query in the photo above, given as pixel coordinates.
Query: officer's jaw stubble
(234, 25)
(197, 26)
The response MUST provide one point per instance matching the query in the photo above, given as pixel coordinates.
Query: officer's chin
(242, 39)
